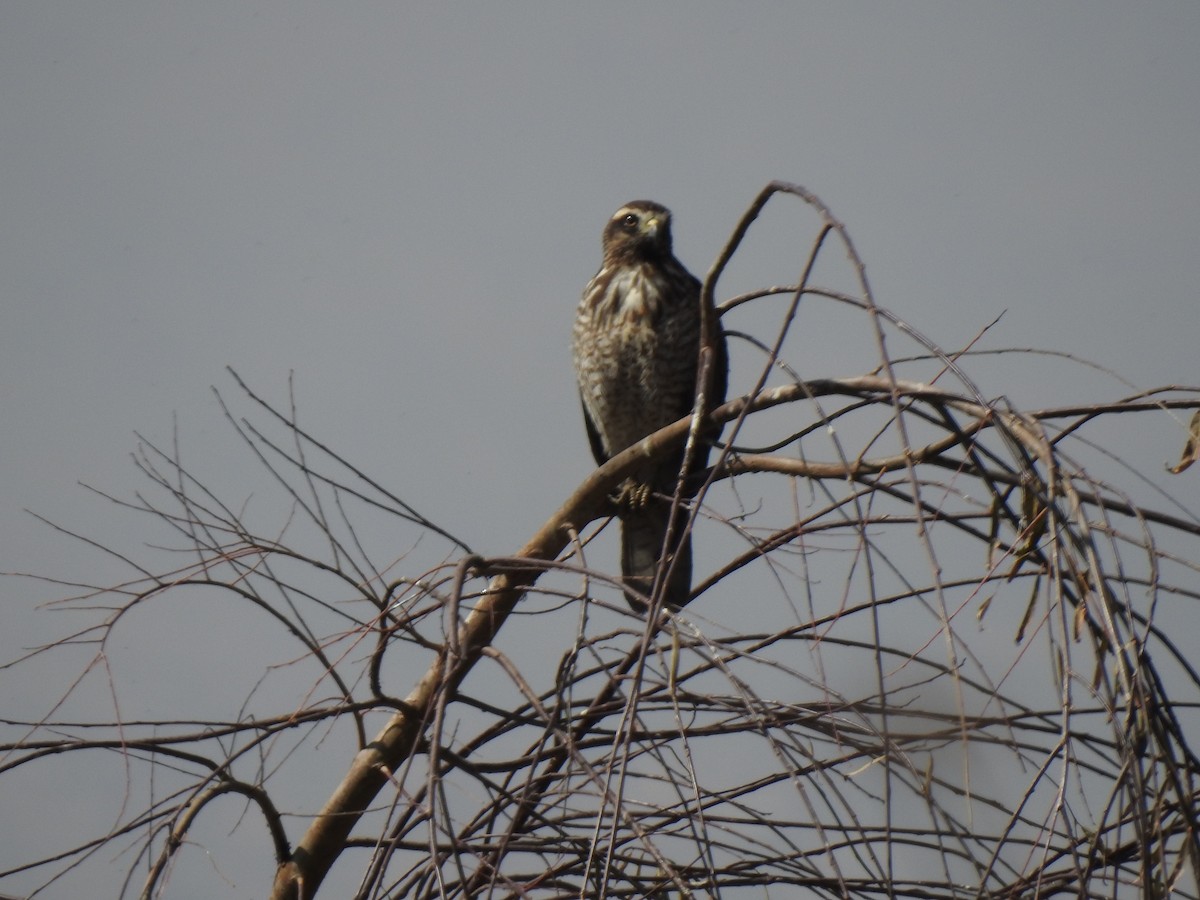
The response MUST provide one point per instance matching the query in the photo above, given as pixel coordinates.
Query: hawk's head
(639, 231)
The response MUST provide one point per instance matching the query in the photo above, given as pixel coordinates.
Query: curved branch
(180, 829)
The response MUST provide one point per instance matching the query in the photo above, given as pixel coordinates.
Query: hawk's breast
(635, 354)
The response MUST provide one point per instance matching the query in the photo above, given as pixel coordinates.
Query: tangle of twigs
(931, 653)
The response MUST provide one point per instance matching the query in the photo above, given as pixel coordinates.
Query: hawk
(636, 345)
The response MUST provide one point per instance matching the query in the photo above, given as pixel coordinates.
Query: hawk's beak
(652, 226)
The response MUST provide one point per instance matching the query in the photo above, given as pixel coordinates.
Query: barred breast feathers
(624, 293)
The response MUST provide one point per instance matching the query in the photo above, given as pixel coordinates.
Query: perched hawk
(636, 345)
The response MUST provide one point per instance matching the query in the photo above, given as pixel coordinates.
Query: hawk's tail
(642, 536)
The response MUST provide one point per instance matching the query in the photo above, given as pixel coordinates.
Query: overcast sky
(400, 204)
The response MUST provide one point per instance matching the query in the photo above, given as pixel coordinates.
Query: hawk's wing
(593, 436)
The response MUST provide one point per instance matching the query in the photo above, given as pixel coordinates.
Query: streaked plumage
(636, 345)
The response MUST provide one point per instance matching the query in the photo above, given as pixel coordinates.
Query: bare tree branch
(939, 650)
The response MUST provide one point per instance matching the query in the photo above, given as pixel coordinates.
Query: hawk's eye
(630, 221)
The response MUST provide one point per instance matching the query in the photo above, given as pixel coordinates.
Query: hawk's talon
(632, 497)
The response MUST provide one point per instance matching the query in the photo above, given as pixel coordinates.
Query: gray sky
(401, 203)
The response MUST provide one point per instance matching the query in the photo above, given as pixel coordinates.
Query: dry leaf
(1191, 450)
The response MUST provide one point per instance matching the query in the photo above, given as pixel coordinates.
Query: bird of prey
(636, 345)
